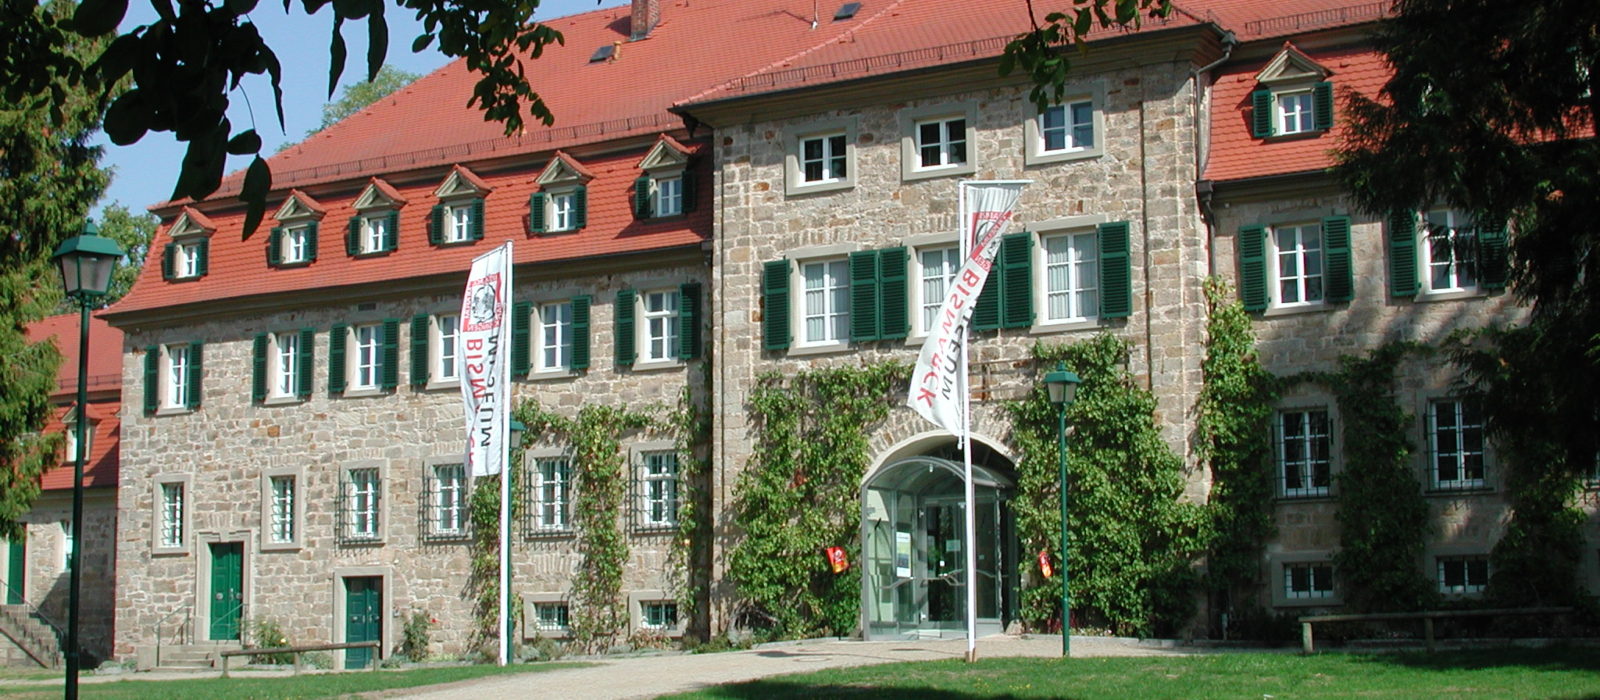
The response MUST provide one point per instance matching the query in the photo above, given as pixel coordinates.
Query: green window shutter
(1253, 267)
(580, 332)
(337, 336)
(390, 372)
(352, 237)
(476, 229)
(986, 310)
(864, 322)
(166, 260)
(258, 368)
(191, 399)
(1261, 121)
(894, 301)
(202, 257)
(690, 190)
(1322, 106)
(1341, 281)
(1016, 280)
(689, 321)
(1403, 277)
(436, 225)
(623, 329)
(311, 241)
(305, 361)
(419, 349)
(521, 338)
(775, 333)
(580, 207)
(536, 204)
(275, 247)
(1493, 261)
(391, 241)
(641, 197)
(152, 383)
(1116, 270)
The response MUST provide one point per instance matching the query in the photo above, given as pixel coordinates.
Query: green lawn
(1506, 673)
(321, 685)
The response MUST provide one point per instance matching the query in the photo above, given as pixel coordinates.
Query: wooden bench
(297, 650)
(1427, 617)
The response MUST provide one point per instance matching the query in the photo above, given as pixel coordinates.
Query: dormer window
(561, 203)
(1295, 97)
(186, 257)
(667, 186)
(293, 241)
(458, 217)
(375, 229)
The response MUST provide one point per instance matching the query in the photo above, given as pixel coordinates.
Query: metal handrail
(35, 611)
(188, 619)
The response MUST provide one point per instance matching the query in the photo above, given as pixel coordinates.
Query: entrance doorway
(363, 614)
(914, 584)
(227, 590)
(15, 564)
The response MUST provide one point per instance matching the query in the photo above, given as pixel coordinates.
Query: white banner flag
(938, 387)
(485, 338)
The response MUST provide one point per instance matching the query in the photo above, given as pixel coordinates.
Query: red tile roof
(1236, 154)
(105, 375)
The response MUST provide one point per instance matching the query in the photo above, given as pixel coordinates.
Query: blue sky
(144, 173)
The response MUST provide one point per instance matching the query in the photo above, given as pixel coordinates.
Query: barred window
(656, 489)
(1455, 439)
(550, 617)
(1463, 574)
(549, 496)
(658, 614)
(359, 517)
(283, 501)
(1303, 447)
(444, 501)
(1303, 581)
(172, 515)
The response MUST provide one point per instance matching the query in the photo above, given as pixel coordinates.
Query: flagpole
(971, 527)
(505, 472)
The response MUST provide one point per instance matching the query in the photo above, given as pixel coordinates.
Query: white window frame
(911, 122)
(171, 514)
(186, 259)
(274, 509)
(282, 528)
(457, 222)
(658, 327)
(533, 624)
(666, 195)
(364, 503)
(929, 292)
(448, 499)
(562, 206)
(293, 245)
(659, 488)
(1300, 254)
(1076, 265)
(551, 505)
(1307, 464)
(1036, 137)
(1457, 448)
(795, 138)
(553, 339)
(1454, 226)
(1315, 573)
(1293, 108)
(444, 349)
(283, 365)
(647, 606)
(365, 355)
(560, 609)
(374, 227)
(70, 448)
(833, 296)
(637, 602)
(175, 362)
(1467, 587)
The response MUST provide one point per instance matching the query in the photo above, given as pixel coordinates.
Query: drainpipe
(1203, 188)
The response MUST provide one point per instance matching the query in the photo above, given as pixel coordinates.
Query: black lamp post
(85, 263)
(514, 447)
(1063, 388)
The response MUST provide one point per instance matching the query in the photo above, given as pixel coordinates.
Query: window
(551, 495)
(822, 159)
(667, 186)
(69, 543)
(286, 364)
(178, 377)
(1297, 264)
(1068, 127)
(362, 492)
(1294, 112)
(1463, 575)
(1071, 291)
(1307, 581)
(937, 269)
(435, 350)
(282, 526)
(555, 337)
(185, 259)
(562, 200)
(658, 490)
(660, 325)
(1449, 251)
(366, 358)
(1298, 107)
(69, 453)
(819, 156)
(1455, 440)
(936, 141)
(294, 244)
(447, 359)
(460, 228)
(457, 221)
(825, 316)
(445, 500)
(373, 233)
(188, 255)
(1303, 452)
(941, 143)
(369, 342)
(564, 211)
(281, 365)
(658, 614)
(550, 617)
(171, 516)
(668, 196)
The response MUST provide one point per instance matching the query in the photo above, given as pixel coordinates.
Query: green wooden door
(16, 561)
(363, 614)
(227, 589)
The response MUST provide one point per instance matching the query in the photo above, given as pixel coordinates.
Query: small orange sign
(1044, 563)
(837, 561)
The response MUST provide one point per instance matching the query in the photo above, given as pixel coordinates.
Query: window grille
(1303, 447)
(283, 505)
(655, 489)
(359, 512)
(1455, 444)
(1305, 581)
(444, 502)
(551, 617)
(658, 614)
(172, 515)
(1463, 574)
(547, 493)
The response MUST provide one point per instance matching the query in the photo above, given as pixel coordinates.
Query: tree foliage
(133, 232)
(1041, 51)
(356, 96)
(48, 178)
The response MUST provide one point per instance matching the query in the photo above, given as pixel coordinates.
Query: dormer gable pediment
(379, 195)
(667, 154)
(461, 182)
(1291, 66)
(299, 206)
(191, 222)
(564, 170)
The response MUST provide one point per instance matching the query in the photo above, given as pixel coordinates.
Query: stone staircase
(30, 639)
(202, 656)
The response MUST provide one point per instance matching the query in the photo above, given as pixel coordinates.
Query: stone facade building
(298, 455)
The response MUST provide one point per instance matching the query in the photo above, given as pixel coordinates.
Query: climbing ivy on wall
(801, 493)
(1233, 439)
(1133, 539)
(691, 550)
(1383, 519)
(483, 580)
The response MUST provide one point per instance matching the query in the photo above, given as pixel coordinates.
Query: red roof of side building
(105, 389)
(1237, 154)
